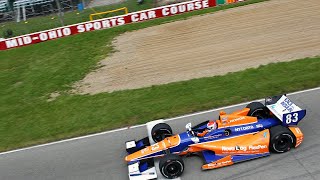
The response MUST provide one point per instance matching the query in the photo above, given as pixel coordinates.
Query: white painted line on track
(137, 126)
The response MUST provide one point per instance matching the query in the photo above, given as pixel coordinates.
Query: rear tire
(281, 139)
(171, 166)
(258, 110)
(161, 131)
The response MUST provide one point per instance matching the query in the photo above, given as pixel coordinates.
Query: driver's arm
(203, 133)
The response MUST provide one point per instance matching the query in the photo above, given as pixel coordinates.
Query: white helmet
(212, 125)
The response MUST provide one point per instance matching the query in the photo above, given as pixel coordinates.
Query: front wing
(142, 169)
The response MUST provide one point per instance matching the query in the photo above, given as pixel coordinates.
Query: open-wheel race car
(250, 133)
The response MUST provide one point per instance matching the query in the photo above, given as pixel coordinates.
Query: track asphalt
(100, 157)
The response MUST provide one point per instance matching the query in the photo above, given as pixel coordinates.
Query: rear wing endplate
(285, 110)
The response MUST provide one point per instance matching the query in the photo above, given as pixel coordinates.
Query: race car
(246, 134)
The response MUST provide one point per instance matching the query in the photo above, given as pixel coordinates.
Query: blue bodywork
(218, 134)
(281, 112)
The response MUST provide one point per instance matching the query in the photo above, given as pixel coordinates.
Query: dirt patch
(209, 45)
(53, 96)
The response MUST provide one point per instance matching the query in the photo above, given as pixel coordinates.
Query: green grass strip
(25, 122)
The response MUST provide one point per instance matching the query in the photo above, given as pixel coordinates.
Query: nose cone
(155, 149)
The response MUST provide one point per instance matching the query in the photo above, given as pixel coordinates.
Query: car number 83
(291, 118)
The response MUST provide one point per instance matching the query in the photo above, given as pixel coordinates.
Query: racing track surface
(208, 45)
(101, 157)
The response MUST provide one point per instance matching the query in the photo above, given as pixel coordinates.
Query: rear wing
(285, 110)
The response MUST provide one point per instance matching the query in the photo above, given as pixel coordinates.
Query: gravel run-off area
(209, 45)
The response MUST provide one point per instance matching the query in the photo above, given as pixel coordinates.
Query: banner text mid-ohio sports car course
(106, 23)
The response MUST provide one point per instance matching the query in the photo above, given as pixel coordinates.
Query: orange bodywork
(160, 146)
(257, 143)
(236, 118)
(225, 161)
(299, 135)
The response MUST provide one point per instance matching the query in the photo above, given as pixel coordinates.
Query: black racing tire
(161, 131)
(258, 110)
(171, 166)
(281, 139)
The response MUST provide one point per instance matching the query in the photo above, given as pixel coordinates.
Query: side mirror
(222, 113)
(188, 127)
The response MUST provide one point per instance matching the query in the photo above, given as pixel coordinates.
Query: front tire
(281, 139)
(258, 110)
(161, 131)
(171, 166)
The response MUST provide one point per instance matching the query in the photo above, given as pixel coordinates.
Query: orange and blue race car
(250, 133)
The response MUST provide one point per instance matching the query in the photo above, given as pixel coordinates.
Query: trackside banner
(106, 23)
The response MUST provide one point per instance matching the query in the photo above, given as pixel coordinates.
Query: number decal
(295, 117)
(289, 118)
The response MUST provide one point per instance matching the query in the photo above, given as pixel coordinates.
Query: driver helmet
(212, 125)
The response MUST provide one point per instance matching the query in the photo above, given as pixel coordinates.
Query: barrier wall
(106, 23)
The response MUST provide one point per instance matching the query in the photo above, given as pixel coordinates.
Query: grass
(28, 75)
(52, 21)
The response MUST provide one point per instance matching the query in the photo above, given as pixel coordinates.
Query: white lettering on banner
(66, 31)
(113, 22)
(190, 7)
(143, 16)
(165, 11)
(121, 21)
(184, 7)
(52, 34)
(100, 24)
(43, 36)
(134, 17)
(198, 5)
(106, 23)
(27, 40)
(81, 28)
(174, 10)
(97, 25)
(11, 43)
(18, 42)
(59, 33)
(88, 26)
